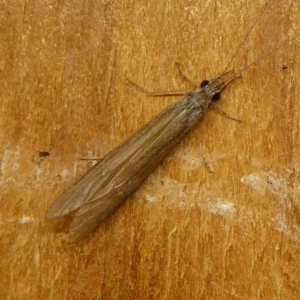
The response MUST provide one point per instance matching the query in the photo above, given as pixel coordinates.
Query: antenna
(246, 36)
(269, 53)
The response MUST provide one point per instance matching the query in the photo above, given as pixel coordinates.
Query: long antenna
(269, 53)
(246, 36)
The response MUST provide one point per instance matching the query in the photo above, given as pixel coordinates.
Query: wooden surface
(228, 230)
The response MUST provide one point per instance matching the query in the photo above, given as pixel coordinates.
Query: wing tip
(76, 235)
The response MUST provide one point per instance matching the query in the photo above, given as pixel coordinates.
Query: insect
(118, 174)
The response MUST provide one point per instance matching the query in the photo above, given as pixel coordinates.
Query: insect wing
(98, 193)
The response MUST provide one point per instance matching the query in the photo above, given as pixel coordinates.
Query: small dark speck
(43, 153)
(284, 67)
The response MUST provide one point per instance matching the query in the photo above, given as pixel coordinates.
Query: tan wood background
(227, 231)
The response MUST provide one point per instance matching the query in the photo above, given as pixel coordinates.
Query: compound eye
(204, 83)
(216, 96)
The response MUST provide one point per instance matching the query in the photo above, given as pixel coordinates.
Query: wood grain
(227, 231)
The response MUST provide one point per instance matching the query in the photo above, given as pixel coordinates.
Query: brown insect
(103, 188)
(118, 174)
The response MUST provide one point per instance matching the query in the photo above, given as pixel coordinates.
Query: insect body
(118, 174)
